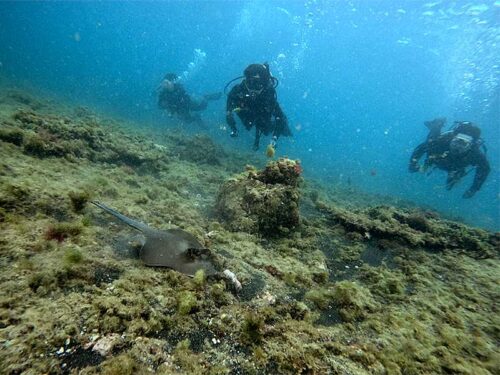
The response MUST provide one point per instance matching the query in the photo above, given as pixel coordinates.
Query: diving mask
(255, 86)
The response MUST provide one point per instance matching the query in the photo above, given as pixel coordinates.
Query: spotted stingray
(172, 248)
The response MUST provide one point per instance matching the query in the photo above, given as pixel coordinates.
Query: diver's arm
(231, 104)
(482, 172)
(417, 154)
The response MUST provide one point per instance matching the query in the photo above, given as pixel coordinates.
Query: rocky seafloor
(333, 281)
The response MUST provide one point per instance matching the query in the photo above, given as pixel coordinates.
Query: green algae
(120, 365)
(14, 136)
(73, 256)
(79, 200)
(186, 302)
(63, 231)
(313, 301)
(251, 328)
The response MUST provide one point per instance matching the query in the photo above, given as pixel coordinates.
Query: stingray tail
(133, 223)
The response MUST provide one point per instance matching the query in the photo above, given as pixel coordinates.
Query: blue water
(357, 78)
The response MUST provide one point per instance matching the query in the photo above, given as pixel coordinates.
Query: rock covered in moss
(200, 149)
(11, 135)
(57, 136)
(264, 202)
(284, 172)
(354, 301)
(414, 228)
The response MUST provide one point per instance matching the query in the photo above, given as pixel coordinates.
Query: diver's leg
(247, 122)
(435, 127)
(454, 177)
(257, 139)
(198, 104)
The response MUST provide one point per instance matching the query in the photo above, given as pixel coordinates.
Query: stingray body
(172, 248)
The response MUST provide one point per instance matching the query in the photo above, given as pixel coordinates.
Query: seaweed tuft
(252, 328)
(79, 200)
(62, 231)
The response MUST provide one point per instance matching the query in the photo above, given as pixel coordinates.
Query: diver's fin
(133, 223)
(214, 96)
(436, 124)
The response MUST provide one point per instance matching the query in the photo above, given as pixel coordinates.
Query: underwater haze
(135, 241)
(357, 78)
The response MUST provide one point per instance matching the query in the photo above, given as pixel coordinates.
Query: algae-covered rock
(70, 138)
(354, 301)
(200, 149)
(19, 97)
(415, 228)
(264, 202)
(10, 135)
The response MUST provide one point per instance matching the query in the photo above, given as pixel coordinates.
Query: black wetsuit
(178, 102)
(257, 111)
(439, 155)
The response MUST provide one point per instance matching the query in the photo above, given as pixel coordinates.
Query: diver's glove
(468, 194)
(232, 124)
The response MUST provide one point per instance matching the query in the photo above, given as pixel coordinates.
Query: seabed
(350, 285)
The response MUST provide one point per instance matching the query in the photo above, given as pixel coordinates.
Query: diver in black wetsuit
(255, 102)
(173, 97)
(453, 151)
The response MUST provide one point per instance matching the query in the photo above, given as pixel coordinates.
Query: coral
(265, 202)
(284, 172)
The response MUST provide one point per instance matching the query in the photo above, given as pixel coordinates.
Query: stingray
(172, 248)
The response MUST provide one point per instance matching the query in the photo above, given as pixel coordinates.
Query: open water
(357, 78)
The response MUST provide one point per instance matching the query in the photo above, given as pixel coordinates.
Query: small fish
(373, 172)
(270, 151)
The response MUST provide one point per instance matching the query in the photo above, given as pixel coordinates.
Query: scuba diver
(453, 151)
(255, 102)
(173, 97)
